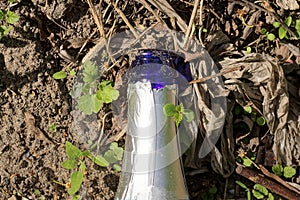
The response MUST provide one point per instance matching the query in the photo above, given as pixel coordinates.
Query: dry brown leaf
(288, 4)
(283, 117)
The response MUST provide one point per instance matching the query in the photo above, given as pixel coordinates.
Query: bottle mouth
(154, 57)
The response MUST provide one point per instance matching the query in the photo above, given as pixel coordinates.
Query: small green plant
(287, 171)
(52, 127)
(62, 74)
(247, 110)
(258, 191)
(245, 160)
(269, 35)
(178, 113)
(282, 32)
(92, 95)
(76, 163)
(38, 193)
(7, 18)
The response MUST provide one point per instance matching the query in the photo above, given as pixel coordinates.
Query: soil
(45, 40)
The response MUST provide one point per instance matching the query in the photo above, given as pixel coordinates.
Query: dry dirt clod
(32, 129)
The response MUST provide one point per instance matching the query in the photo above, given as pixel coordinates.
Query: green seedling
(62, 74)
(247, 110)
(52, 128)
(245, 160)
(38, 193)
(76, 159)
(242, 185)
(287, 171)
(282, 32)
(260, 192)
(179, 113)
(269, 35)
(7, 18)
(93, 95)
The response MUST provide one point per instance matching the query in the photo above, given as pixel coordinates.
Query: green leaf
(118, 151)
(288, 21)
(110, 156)
(248, 49)
(86, 153)
(261, 121)
(261, 189)
(113, 146)
(107, 93)
(297, 25)
(188, 115)
(271, 36)
(282, 32)
(247, 109)
(270, 196)
(2, 14)
(179, 108)
(117, 167)
(5, 30)
(76, 181)
(289, 172)
(247, 162)
(177, 118)
(169, 110)
(72, 72)
(99, 160)
(257, 194)
(248, 194)
(11, 17)
(277, 169)
(89, 104)
(276, 24)
(72, 151)
(59, 75)
(90, 72)
(69, 164)
(263, 31)
(241, 184)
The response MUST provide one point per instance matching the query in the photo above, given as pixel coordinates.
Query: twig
(166, 8)
(269, 184)
(102, 131)
(277, 178)
(188, 31)
(148, 7)
(96, 18)
(216, 75)
(119, 11)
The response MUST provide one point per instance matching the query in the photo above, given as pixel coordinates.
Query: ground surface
(48, 38)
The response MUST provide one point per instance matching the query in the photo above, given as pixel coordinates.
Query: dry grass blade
(188, 31)
(97, 19)
(122, 15)
(148, 7)
(166, 8)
